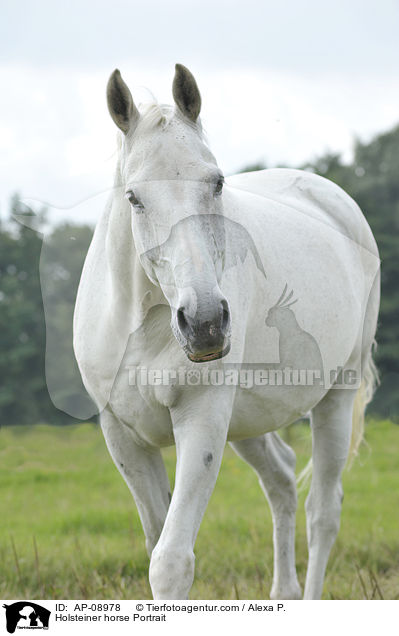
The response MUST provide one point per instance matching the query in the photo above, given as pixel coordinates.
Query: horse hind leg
(144, 472)
(274, 463)
(331, 434)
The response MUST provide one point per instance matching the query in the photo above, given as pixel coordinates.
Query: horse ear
(186, 93)
(120, 103)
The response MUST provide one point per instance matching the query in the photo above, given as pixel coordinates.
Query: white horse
(187, 268)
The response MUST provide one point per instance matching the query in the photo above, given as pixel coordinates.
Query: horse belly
(261, 410)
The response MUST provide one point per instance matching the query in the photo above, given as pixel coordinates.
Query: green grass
(69, 527)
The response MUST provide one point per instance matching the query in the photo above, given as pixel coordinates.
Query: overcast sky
(281, 82)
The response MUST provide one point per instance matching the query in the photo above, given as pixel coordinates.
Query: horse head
(174, 188)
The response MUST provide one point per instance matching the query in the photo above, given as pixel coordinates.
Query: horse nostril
(181, 320)
(225, 316)
(207, 329)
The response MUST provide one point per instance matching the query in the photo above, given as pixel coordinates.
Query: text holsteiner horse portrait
(169, 282)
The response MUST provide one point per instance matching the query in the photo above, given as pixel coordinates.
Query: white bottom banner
(176, 617)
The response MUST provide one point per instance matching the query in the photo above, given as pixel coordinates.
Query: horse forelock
(154, 115)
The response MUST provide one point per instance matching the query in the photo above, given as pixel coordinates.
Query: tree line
(371, 178)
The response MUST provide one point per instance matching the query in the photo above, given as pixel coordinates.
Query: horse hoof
(288, 593)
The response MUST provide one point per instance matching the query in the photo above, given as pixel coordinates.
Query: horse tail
(363, 397)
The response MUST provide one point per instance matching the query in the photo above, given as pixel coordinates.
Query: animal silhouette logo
(26, 615)
(298, 349)
(230, 240)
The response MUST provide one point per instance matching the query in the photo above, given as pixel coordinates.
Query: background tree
(23, 391)
(24, 397)
(372, 180)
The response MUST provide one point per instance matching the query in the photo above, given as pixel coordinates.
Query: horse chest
(140, 396)
(142, 409)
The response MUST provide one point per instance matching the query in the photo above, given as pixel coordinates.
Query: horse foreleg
(331, 433)
(274, 463)
(200, 438)
(143, 471)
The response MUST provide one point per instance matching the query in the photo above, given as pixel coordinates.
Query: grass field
(69, 527)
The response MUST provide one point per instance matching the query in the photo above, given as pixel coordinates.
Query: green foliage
(24, 397)
(60, 491)
(372, 180)
(252, 167)
(22, 335)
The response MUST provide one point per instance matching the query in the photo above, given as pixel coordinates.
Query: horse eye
(219, 186)
(134, 200)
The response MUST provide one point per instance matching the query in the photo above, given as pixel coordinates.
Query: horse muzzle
(205, 336)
